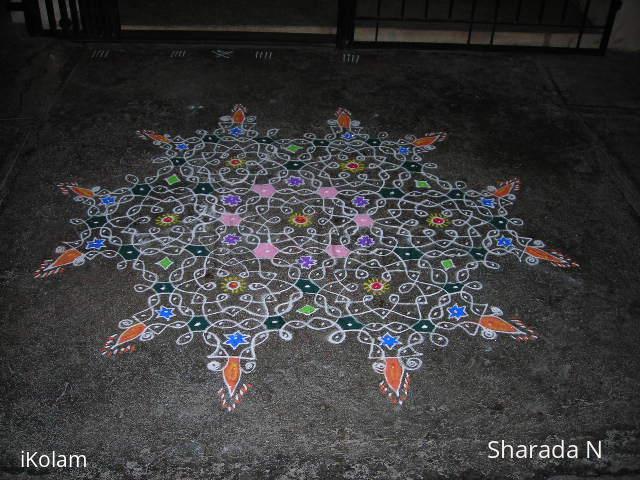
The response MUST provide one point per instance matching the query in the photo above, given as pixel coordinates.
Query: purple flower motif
(231, 239)
(232, 200)
(366, 241)
(307, 261)
(360, 202)
(296, 181)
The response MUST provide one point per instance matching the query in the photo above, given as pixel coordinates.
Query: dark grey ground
(568, 126)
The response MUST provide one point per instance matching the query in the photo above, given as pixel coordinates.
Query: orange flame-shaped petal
(238, 114)
(556, 258)
(83, 192)
(497, 324)
(131, 333)
(393, 373)
(158, 137)
(428, 140)
(66, 258)
(344, 118)
(231, 374)
(505, 188)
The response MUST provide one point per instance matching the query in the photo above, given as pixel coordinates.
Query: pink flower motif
(328, 192)
(230, 219)
(363, 221)
(265, 250)
(264, 189)
(338, 251)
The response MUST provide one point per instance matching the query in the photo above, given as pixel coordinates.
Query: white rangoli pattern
(239, 237)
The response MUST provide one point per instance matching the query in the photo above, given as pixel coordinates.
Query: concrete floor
(567, 126)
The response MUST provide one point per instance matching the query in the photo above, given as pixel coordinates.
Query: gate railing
(75, 19)
(553, 25)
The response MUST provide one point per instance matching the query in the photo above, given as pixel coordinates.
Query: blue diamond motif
(456, 312)
(166, 313)
(389, 341)
(236, 339)
(505, 242)
(96, 244)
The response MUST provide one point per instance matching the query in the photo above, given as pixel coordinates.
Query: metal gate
(550, 25)
(74, 19)
(580, 26)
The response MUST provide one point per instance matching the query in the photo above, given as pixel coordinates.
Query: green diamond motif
(349, 323)
(293, 148)
(408, 253)
(197, 324)
(426, 326)
(447, 264)
(95, 222)
(293, 165)
(478, 253)
(141, 189)
(203, 188)
(165, 263)
(412, 166)
(163, 287)
(129, 252)
(307, 286)
(307, 309)
(391, 193)
(197, 250)
(499, 222)
(173, 179)
(274, 323)
(422, 184)
(452, 287)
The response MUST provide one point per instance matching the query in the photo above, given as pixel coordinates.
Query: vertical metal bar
(451, 9)
(32, 19)
(426, 9)
(65, 22)
(51, 17)
(345, 28)
(101, 23)
(584, 23)
(377, 20)
(614, 6)
(473, 14)
(563, 17)
(112, 21)
(74, 17)
(340, 24)
(495, 20)
(541, 13)
(82, 7)
(518, 11)
(88, 13)
(404, 5)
